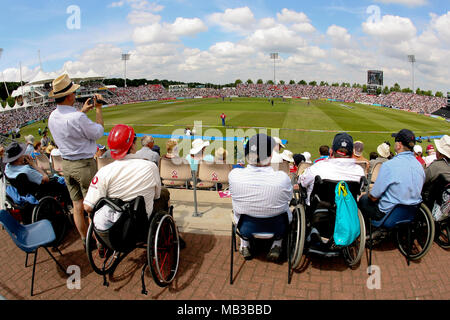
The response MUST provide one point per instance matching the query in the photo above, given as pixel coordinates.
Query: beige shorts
(78, 175)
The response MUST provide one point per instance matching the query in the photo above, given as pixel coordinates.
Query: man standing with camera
(76, 136)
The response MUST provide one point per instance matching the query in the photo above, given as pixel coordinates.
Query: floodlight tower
(274, 57)
(125, 58)
(412, 59)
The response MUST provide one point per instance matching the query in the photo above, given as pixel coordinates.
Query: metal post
(125, 58)
(412, 59)
(194, 178)
(274, 56)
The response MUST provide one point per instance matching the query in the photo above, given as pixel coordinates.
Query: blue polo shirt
(399, 181)
(33, 175)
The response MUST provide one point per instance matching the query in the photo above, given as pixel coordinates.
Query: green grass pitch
(304, 126)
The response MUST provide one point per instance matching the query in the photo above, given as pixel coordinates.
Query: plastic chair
(30, 238)
(213, 173)
(57, 165)
(175, 172)
(44, 163)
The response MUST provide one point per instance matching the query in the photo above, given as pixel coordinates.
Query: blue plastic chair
(402, 215)
(29, 238)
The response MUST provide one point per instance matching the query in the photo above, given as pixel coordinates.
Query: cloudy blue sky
(220, 41)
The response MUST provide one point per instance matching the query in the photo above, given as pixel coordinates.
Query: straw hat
(443, 145)
(63, 86)
(198, 145)
(384, 150)
(288, 156)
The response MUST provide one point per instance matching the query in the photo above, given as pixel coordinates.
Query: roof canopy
(41, 78)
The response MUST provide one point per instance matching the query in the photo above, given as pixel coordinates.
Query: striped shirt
(260, 192)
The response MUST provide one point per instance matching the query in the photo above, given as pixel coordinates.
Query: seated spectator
(276, 156)
(37, 150)
(324, 152)
(383, 153)
(146, 152)
(288, 156)
(172, 149)
(440, 166)
(45, 139)
(298, 158)
(101, 150)
(30, 144)
(418, 154)
(20, 163)
(55, 153)
(307, 156)
(260, 196)
(431, 155)
(373, 156)
(358, 149)
(221, 156)
(126, 179)
(340, 166)
(197, 154)
(399, 181)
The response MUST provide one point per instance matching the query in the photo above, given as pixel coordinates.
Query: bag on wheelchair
(441, 208)
(347, 227)
(126, 229)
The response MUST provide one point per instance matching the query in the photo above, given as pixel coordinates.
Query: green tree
(364, 88)
(269, 82)
(292, 82)
(313, 83)
(302, 82)
(238, 81)
(418, 91)
(386, 90)
(335, 84)
(439, 94)
(260, 81)
(407, 90)
(282, 82)
(249, 81)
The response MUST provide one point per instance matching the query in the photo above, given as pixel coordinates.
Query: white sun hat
(198, 145)
(278, 141)
(443, 145)
(288, 156)
(307, 156)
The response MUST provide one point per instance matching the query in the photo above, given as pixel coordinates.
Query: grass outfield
(291, 117)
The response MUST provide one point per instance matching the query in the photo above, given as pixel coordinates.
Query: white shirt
(148, 154)
(126, 180)
(55, 152)
(336, 169)
(74, 133)
(276, 157)
(429, 159)
(260, 192)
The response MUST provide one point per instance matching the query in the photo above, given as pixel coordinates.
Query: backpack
(347, 227)
(129, 229)
(441, 210)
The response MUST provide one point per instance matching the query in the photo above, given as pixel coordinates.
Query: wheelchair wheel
(50, 209)
(163, 249)
(443, 234)
(422, 235)
(101, 262)
(297, 236)
(353, 253)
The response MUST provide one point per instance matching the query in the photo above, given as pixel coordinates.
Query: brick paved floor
(204, 275)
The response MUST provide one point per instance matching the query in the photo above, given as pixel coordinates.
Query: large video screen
(375, 78)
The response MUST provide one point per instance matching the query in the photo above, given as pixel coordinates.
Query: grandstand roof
(23, 90)
(41, 78)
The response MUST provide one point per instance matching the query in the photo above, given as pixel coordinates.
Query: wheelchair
(293, 235)
(320, 216)
(158, 235)
(432, 197)
(52, 208)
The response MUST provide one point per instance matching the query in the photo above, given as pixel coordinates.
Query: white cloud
(233, 20)
(442, 26)
(187, 27)
(391, 28)
(339, 36)
(154, 33)
(229, 49)
(409, 3)
(303, 27)
(277, 39)
(141, 17)
(290, 16)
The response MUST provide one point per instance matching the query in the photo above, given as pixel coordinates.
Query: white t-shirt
(126, 180)
(331, 169)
